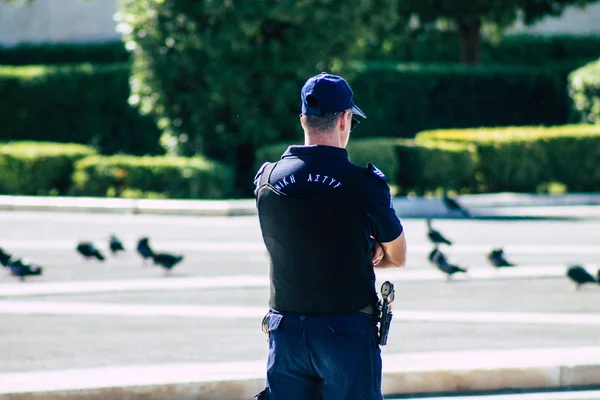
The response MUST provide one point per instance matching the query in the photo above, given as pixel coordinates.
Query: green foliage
(38, 168)
(224, 77)
(584, 89)
(429, 166)
(155, 177)
(63, 53)
(403, 99)
(81, 103)
(523, 158)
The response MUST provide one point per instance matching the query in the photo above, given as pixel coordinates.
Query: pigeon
(452, 205)
(88, 250)
(144, 250)
(115, 245)
(4, 258)
(439, 260)
(496, 258)
(21, 269)
(435, 236)
(166, 260)
(580, 276)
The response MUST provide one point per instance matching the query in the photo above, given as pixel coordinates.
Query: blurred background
(185, 99)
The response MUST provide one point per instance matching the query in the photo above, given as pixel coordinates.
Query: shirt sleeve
(383, 223)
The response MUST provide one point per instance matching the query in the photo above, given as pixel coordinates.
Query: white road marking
(131, 310)
(133, 285)
(262, 281)
(394, 366)
(258, 246)
(237, 312)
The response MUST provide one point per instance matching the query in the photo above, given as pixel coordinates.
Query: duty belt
(382, 313)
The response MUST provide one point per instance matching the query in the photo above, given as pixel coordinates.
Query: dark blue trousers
(333, 357)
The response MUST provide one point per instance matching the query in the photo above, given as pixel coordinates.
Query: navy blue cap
(326, 93)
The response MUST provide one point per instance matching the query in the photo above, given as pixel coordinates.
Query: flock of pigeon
(22, 268)
(576, 273)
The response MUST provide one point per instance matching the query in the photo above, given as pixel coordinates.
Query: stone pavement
(210, 310)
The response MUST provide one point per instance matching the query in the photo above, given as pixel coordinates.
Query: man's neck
(322, 140)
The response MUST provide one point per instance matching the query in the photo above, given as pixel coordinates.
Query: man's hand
(378, 253)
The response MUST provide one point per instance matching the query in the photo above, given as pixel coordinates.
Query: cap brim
(358, 111)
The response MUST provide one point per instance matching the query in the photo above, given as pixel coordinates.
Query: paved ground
(232, 246)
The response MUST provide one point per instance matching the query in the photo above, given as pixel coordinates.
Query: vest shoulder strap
(266, 174)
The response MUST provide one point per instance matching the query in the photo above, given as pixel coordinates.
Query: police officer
(325, 223)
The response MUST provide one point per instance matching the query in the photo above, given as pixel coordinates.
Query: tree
(223, 77)
(469, 15)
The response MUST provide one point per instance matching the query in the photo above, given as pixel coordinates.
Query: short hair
(321, 123)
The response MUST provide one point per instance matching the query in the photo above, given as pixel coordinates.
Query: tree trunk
(470, 35)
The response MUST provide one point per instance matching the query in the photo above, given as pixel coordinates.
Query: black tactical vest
(319, 262)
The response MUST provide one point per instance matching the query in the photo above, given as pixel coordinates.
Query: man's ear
(344, 121)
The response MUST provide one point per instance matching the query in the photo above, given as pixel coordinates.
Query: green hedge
(584, 89)
(38, 168)
(523, 158)
(403, 99)
(408, 167)
(63, 53)
(524, 49)
(169, 177)
(432, 47)
(82, 103)
(540, 49)
(431, 166)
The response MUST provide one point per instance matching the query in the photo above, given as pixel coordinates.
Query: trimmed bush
(506, 134)
(403, 99)
(439, 46)
(75, 104)
(584, 89)
(170, 177)
(540, 49)
(38, 168)
(410, 167)
(522, 158)
(431, 166)
(63, 53)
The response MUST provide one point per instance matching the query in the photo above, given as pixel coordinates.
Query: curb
(497, 205)
(129, 206)
(416, 373)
